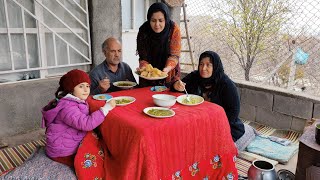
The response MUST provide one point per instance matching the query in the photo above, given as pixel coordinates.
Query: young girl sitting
(67, 118)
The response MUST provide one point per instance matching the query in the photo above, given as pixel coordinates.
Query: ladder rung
(182, 20)
(185, 50)
(184, 37)
(186, 64)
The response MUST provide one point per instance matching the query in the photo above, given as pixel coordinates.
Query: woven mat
(245, 158)
(14, 156)
(293, 136)
(243, 166)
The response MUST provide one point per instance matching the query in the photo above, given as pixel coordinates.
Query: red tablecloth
(142, 147)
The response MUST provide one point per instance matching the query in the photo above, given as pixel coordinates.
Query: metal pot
(262, 170)
(284, 174)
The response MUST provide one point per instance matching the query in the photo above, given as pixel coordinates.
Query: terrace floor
(40, 134)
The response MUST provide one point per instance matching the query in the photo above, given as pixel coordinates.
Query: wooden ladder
(187, 37)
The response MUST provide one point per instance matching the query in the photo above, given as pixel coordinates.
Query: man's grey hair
(104, 45)
(107, 41)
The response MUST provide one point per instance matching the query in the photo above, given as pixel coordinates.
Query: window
(134, 13)
(41, 38)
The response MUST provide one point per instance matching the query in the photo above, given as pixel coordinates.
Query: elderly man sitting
(111, 70)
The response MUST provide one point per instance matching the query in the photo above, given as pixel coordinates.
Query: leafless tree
(250, 27)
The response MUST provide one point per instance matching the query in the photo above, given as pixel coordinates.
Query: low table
(195, 143)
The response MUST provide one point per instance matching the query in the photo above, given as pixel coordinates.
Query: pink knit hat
(72, 79)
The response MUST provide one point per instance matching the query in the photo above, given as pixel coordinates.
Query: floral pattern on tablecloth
(89, 159)
(218, 167)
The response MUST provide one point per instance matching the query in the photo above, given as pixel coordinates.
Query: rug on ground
(12, 157)
(39, 166)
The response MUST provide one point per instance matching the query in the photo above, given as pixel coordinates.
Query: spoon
(184, 88)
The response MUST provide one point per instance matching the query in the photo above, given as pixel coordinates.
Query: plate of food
(124, 100)
(124, 84)
(159, 112)
(158, 88)
(102, 97)
(193, 100)
(151, 73)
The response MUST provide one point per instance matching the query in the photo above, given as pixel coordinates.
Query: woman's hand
(166, 70)
(179, 85)
(140, 69)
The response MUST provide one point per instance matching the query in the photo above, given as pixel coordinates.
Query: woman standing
(159, 44)
(210, 82)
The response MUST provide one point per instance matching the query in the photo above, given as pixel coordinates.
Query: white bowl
(164, 100)
(194, 100)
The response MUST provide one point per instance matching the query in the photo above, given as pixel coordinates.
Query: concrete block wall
(316, 110)
(21, 103)
(277, 107)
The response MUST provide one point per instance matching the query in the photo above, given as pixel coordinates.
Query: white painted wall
(129, 47)
(134, 14)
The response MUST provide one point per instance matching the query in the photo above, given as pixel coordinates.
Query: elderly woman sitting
(210, 82)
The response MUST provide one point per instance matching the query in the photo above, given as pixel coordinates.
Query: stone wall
(276, 107)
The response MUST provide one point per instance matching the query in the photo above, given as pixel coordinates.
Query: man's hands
(104, 84)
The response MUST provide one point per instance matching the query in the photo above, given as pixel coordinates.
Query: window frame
(40, 31)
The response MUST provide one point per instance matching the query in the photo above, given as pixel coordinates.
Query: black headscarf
(218, 71)
(153, 46)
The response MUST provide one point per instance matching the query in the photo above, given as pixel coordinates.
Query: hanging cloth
(300, 57)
